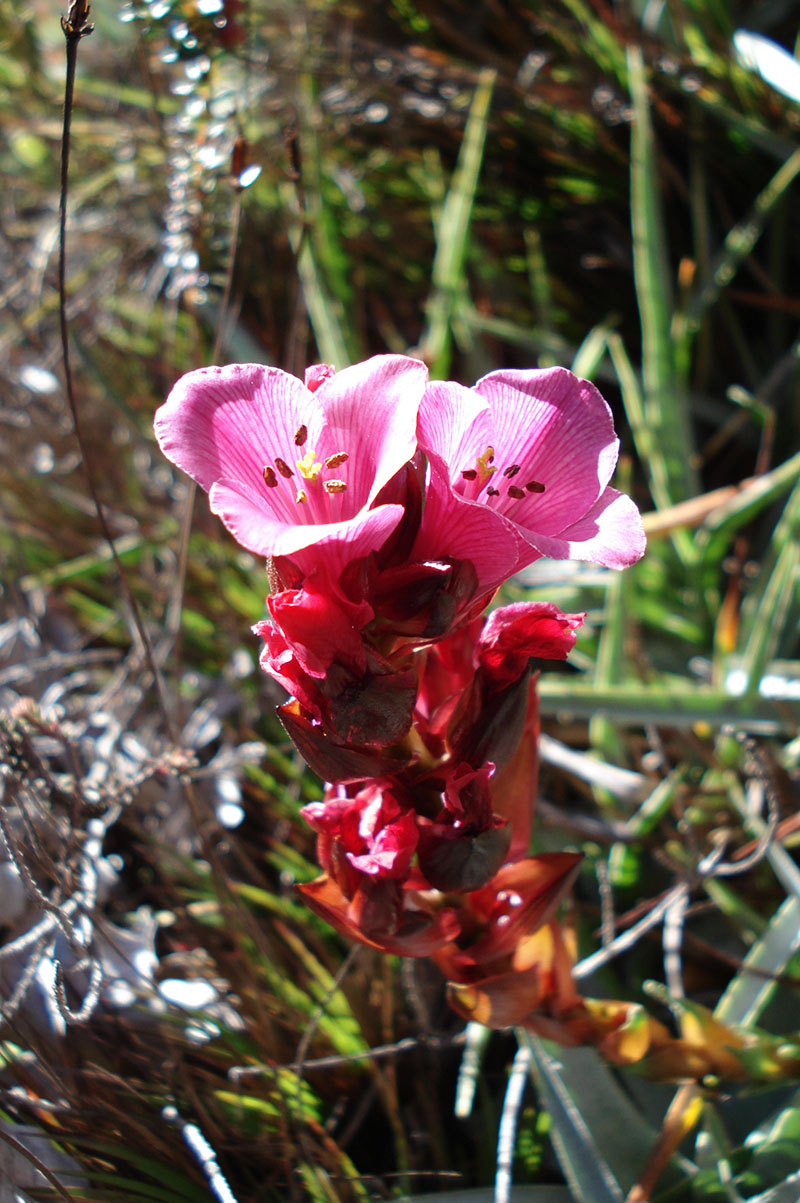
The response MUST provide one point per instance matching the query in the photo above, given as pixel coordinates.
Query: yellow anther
(484, 462)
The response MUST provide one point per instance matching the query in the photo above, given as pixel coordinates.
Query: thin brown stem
(179, 588)
(76, 26)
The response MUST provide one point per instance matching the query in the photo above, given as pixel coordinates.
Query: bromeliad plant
(390, 509)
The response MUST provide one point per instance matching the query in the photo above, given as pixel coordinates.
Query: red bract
(514, 635)
(373, 833)
(377, 917)
(537, 450)
(315, 628)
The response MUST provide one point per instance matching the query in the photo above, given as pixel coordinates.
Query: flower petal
(227, 423)
(225, 426)
(611, 533)
(455, 529)
(253, 525)
(560, 430)
(454, 421)
(371, 412)
(515, 634)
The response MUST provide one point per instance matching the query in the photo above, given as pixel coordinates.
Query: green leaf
(601, 1140)
(671, 474)
(751, 989)
(453, 230)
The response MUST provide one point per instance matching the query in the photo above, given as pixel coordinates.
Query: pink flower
(295, 469)
(536, 448)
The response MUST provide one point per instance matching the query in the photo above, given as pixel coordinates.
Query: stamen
(334, 486)
(270, 479)
(511, 471)
(490, 492)
(535, 486)
(283, 467)
(469, 473)
(333, 461)
(516, 492)
(301, 497)
(300, 436)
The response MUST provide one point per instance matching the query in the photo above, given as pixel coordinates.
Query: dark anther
(333, 461)
(512, 470)
(490, 492)
(270, 479)
(516, 492)
(283, 467)
(534, 486)
(469, 473)
(300, 436)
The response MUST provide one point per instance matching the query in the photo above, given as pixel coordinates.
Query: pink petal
(316, 373)
(560, 431)
(457, 529)
(371, 412)
(316, 629)
(261, 532)
(515, 634)
(391, 852)
(227, 423)
(611, 533)
(453, 421)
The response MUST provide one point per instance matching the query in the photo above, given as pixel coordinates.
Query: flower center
(481, 475)
(309, 467)
(311, 471)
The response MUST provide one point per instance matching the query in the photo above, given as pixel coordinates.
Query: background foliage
(491, 184)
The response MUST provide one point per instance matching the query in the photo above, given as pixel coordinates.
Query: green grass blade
(602, 1141)
(787, 1191)
(770, 604)
(453, 231)
(590, 353)
(676, 703)
(322, 314)
(540, 289)
(713, 538)
(602, 44)
(740, 242)
(749, 992)
(588, 1175)
(672, 476)
(645, 437)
